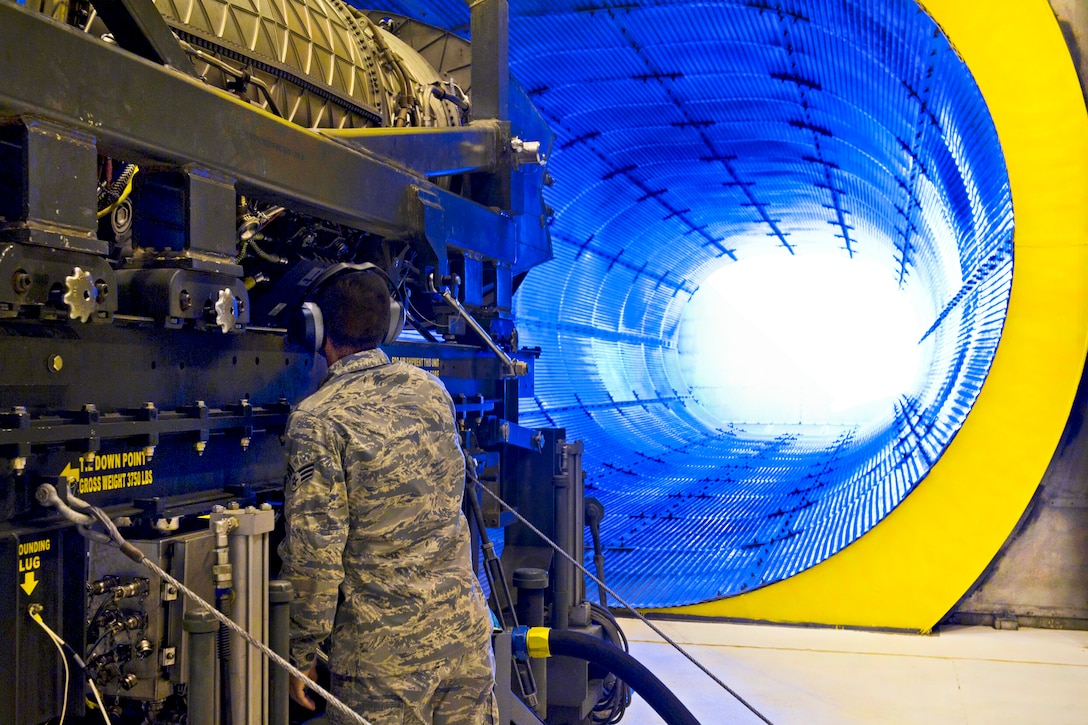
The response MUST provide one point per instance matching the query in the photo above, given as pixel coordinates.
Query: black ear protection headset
(312, 320)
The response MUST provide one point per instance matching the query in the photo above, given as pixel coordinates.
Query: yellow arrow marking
(30, 582)
(72, 474)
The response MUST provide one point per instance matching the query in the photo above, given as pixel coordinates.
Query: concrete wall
(1073, 17)
(1040, 578)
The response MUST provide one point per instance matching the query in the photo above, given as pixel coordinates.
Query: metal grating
(692, 135)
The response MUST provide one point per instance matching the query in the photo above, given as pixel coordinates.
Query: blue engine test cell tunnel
(726, 143)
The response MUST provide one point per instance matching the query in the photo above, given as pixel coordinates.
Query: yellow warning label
(427, 363)
(114, 461)
(30, 561)
(115, 481)
(110, 472)
(35, 547)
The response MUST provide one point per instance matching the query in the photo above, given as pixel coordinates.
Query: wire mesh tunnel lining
(692, 135)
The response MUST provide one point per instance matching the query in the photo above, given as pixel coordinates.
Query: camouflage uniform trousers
(453, 692)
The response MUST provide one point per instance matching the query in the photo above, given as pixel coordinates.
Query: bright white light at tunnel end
(809, 339)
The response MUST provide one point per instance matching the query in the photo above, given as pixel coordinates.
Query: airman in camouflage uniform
(372, 505)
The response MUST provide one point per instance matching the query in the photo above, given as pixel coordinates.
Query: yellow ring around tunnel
(910, 569)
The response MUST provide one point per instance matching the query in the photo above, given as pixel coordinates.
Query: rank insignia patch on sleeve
(299, 476)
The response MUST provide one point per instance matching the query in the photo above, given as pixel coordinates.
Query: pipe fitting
(531, 643)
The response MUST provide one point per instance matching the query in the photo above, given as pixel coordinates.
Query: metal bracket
(512, 367)
(138, 27)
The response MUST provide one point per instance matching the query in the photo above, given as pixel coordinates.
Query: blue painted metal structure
(693, 135)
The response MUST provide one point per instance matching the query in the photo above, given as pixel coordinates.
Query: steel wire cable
(226, 621)
(116, 539)
(657, 630)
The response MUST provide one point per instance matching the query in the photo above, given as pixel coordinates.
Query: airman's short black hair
(355, 308)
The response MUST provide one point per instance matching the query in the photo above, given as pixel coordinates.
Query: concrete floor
(793, 675)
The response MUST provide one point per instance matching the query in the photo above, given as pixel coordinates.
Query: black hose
(594, 512)
(565, 643)
(444, 95)
(226, 715)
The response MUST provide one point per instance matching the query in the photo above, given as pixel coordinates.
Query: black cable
(594, 512)
(97, 643)
(615, 693)
(418, 315)
(107, 599)
(422, 330)
(226, 714)
(563, 642)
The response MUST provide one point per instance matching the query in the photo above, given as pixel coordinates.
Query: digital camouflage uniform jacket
(372, 505)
